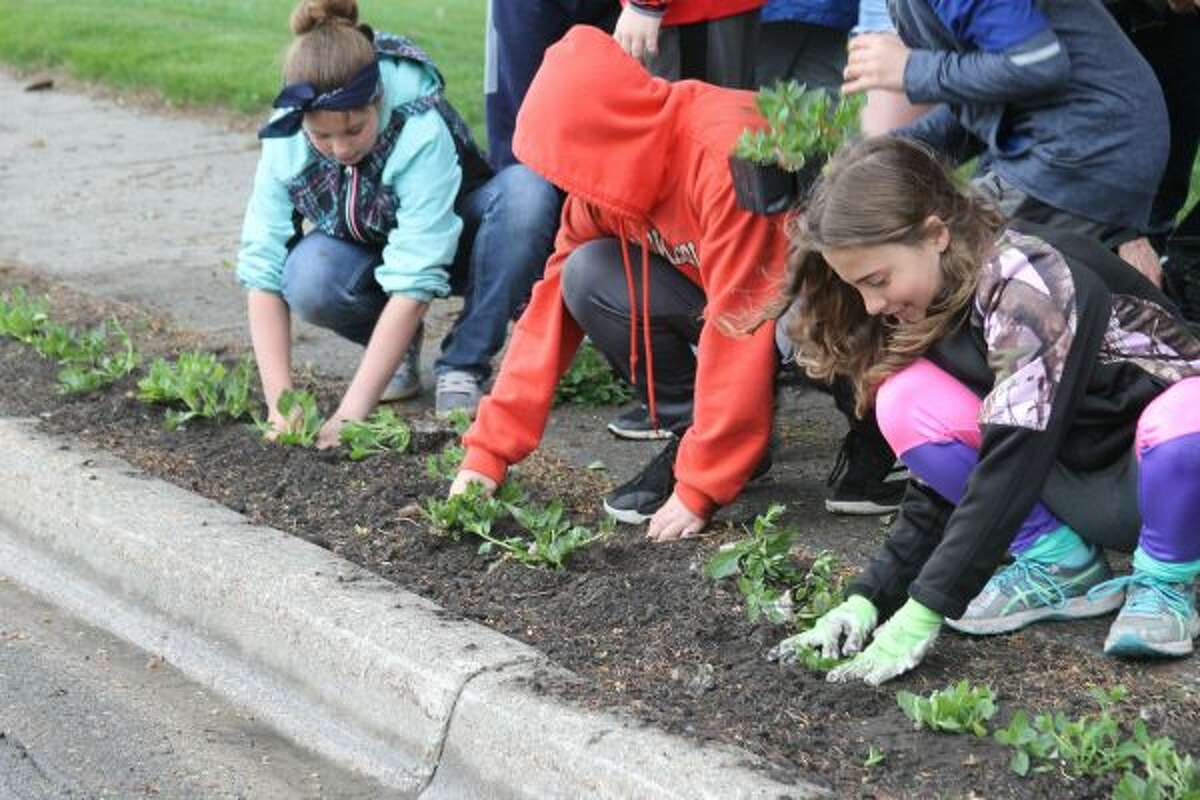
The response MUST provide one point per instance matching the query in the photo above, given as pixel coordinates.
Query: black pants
(595, 292)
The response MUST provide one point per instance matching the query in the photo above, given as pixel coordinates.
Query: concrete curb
(334, 657)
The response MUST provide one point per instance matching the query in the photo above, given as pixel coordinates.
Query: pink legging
(932, 422)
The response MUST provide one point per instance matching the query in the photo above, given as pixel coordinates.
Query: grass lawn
(223, 52)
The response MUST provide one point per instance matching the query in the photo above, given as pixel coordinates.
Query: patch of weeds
(591, 381)
(960, 708)
(201, 384)
(93, 366)
(772, 585)
(304, 420)
(381, 432)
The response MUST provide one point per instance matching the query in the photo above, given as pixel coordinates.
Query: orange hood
(613, 148)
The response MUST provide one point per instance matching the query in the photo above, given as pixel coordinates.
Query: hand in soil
(900, 644)
(280, 424)
(331, 432)
(466, 477)
(674, 521)
(839, 633)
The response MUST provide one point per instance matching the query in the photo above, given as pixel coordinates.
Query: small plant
(201, 384)
(382, 432)
(471, 511)
(22, 318)
(555, 538)
(764, 563)
(1088, 745)
(591, 382)
(304, 421)
(811, 659)
(803, 125)
(94, 367)
(1169, 775)
(961, 708)
(459, 420)
(875, 756)
(444, 464)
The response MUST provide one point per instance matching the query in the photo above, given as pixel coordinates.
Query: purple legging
(932, 421)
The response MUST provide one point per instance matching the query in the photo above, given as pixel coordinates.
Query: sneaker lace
(1037, 575)
(1145, 594)
(457, 382)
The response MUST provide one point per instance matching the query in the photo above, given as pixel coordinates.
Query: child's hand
(1141, 256)
(900, 644)
(331, 432)
(466, 477)
(876, 61)
(674, 521)
(637, 33)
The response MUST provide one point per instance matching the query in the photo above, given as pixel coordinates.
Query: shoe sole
(407, 394)
(638, 436)
(858, 508)
(1130, 645)
(1075, 608)
(627, 516)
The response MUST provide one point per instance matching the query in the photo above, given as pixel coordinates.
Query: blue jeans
(508, 233)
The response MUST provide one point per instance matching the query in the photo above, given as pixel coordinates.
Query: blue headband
(298, 98)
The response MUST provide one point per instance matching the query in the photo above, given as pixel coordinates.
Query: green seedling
(21, 317)
(802, 125)
(591, 382)
(960, 708)
(92, 367)
(1168, 774)
(875, 756)
(300, 408)
(811, 659)
(444, 465)
(763, 564)
(1088, 745)
(554, 540)
(459, 420)
(201, 384)
(471, 511)
(382, 432)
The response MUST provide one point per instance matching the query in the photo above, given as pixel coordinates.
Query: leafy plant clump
(382, 432)
(772, 584)
(591, 382)
(299, 408)
(803, 125)
(204, 386)
(960, 708)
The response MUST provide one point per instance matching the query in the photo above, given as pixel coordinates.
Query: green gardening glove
(899, 645)
(841, 631)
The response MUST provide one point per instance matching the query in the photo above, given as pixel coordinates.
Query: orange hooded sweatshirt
(644, 161)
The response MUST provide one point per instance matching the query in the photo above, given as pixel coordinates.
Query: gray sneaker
(457, 391)
(1028, 591)
(406, 383)
(1158, 618)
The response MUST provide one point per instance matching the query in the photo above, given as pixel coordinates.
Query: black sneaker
(636, 500)
(636, 424)
(867, 479)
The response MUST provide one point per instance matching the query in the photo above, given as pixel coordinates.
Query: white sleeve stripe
(1036, 56)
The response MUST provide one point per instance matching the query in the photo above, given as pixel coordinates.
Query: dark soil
(647, 632)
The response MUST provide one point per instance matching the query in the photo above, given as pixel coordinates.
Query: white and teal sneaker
(1158, 619)
(1029, 591)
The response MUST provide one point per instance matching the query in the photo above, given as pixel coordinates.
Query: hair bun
(310, 14)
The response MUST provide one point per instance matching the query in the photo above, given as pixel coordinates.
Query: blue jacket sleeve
(267, 225)
(424, 173)
(1009, 53)
(941, 130)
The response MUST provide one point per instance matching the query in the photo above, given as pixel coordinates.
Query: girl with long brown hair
(1042, 393)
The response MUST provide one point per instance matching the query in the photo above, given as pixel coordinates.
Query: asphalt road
(86, 715)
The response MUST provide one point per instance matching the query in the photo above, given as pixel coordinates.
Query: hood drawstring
(633, 317)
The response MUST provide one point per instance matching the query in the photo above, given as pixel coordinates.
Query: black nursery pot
(769, 188)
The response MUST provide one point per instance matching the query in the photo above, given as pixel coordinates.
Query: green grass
(223, 53)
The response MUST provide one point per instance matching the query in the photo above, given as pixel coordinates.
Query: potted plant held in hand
(773, 167)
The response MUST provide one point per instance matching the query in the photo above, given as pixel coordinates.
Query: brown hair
(329, 48)
(877, 191)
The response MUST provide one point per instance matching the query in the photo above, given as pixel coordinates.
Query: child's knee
(923, 403)
(1171, 415)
